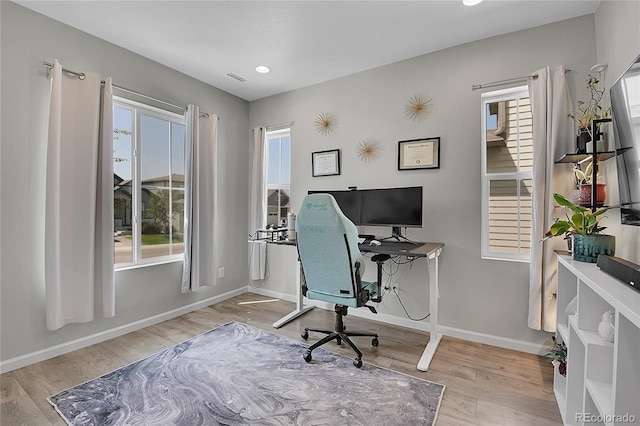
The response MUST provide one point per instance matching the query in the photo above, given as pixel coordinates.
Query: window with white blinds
(507, 173)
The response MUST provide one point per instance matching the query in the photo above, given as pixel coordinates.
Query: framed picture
(419, 154)
(325, 163)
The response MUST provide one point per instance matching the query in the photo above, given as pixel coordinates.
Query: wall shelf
(579, 158)
(595, 157)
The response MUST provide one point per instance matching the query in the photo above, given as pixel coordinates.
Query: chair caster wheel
(375, 342)
(357, 362)
(307, 356)
(305, 334)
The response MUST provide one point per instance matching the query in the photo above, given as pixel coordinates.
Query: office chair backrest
(328, 247)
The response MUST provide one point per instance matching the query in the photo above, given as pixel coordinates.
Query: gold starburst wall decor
(418, 108)
(367, 150)
(325, 123)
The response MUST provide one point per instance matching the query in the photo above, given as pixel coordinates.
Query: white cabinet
(602, 382)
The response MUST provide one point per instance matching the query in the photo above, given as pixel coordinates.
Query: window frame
(519, 176)
(138, 109)
(279, 133)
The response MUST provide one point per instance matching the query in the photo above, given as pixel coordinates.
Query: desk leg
(300, 308)
(434, 336)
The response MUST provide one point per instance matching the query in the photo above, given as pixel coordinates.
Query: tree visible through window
(148, 185)
(507, 174)
(278, 176)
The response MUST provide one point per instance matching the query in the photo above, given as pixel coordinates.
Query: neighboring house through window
(278, 175)
(148, 173)
(507, 173)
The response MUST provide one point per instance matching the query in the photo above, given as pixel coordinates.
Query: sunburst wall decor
(325, 123)
(418, 108)
(367, 150)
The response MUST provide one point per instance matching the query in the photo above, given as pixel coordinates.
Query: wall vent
(237, 77)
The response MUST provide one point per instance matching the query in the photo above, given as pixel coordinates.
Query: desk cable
(395, 260)
(395, 290)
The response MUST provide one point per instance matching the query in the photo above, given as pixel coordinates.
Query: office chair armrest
(379, 259)
(303, 281)
(362, 294)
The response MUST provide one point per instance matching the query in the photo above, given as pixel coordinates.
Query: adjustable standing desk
(429, 251)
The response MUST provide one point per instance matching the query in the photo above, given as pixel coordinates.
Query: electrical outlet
(221, 272)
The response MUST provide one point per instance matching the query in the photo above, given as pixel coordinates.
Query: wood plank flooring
(485, 385)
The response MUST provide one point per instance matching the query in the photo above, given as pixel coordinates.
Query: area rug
(240, 375)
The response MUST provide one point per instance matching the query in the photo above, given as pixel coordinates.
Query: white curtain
(258, 181)
(552, 136)
(257, 203)
(79, 279)
(200, 202)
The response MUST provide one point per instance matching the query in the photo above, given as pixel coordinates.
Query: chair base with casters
(339, 332)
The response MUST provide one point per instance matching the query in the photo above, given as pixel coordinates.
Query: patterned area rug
(240, 375)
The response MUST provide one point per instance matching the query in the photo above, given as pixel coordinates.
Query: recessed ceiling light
(471, 2)
(263, 69)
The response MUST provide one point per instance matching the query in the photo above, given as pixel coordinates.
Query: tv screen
(392, 207)
(625, 108)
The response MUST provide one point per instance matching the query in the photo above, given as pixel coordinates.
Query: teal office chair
(332, 267)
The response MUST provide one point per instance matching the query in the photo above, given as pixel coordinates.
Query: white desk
(300, 308)
(435, 336)
(429, 251)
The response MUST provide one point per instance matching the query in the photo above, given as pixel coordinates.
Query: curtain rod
(509, 81)
(82, 76)
(279, 126)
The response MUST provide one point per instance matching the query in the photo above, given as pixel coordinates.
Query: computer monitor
(395, 207)
(348, 201)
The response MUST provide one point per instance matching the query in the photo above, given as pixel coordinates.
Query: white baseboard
(472, 336)
(63, 348)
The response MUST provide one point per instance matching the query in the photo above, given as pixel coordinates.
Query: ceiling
(303, 42)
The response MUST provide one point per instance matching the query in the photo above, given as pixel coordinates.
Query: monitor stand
(396, 233)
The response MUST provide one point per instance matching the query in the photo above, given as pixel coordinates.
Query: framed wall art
(325, 163)
(419, 154)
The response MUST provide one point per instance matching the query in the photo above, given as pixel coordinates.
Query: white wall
(476, 295)
(483, 296)
(28, 39)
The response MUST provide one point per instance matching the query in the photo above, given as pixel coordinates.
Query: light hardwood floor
(485, 385)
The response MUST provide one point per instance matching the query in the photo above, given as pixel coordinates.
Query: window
(148, 187)
(507, 169)
(278, 176)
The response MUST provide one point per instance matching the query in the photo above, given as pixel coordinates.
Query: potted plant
(583, 227)
(584, 180)
(587, 112)
(558, 355)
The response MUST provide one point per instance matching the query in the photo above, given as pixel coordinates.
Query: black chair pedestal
(338, 334)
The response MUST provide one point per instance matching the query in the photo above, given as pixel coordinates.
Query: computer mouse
(375, 243)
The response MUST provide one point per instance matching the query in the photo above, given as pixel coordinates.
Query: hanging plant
(324, 123)
(418, 108)
(367, 150)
